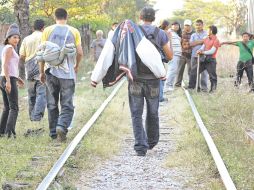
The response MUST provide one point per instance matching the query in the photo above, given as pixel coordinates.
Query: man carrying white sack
(144, 80)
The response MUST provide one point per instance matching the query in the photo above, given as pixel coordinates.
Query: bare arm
(228, 43)
(169, 34)
(7, 56)
(79, 56)
(168, 51)
(42, 72)
(22, 59)
(196, 43)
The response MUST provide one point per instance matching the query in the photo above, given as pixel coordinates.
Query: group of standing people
(51, 84)
(187, 45)
(47, 84)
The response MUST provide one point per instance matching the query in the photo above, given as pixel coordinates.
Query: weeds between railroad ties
(192, 153)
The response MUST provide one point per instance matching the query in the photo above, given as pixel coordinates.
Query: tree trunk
(21, 10)
(86, 38)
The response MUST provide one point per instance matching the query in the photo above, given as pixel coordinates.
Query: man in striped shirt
(186, 52)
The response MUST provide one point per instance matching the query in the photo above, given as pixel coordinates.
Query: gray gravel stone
(126, 171)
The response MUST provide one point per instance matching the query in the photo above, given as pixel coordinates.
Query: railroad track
(228, 183)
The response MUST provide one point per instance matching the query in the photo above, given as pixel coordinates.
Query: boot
(251, 87)
(213, 87)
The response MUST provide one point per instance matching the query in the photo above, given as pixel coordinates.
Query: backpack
(152, 38)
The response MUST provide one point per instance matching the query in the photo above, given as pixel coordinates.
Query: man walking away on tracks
(196, 42)
(209, 50)
(61, 82)
(146, 88)
(186, 52)
(246, 60)
(36, 89)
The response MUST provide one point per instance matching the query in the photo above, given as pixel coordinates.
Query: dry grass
(226, 114)
(103, 141)
(192, 154)
(16, 154)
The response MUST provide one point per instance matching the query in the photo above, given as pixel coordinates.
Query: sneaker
(164, 100)
(151, 147)
(251, 91)
(53, 137)
(204, 90)
(169, 89)
(141, 153)
(61, 134)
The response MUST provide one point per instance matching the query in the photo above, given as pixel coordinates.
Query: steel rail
(71, 147)
(228, 182)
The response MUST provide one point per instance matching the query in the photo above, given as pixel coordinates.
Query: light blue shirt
(194, 37)
(58, 36)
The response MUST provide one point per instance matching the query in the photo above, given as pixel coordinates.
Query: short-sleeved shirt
(57, 34)
(211, 41)
(176, 43)
(161, 39)
(196, 37)
(30, 44)
(244, 54)
(186, 49)
(98, 45)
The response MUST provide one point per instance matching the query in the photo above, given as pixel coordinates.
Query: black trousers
(248, 68)
(209, 64)
(10, 109)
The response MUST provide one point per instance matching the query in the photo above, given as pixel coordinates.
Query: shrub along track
(127, 171)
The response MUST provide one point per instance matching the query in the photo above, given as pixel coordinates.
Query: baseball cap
(188, 22)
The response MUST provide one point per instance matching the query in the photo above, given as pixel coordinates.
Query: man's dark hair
(147, 14)
(39, 24)
(61, 14)
(164, 24)
(246, 33)
(213, 29)
(114, 23)
(200, 21)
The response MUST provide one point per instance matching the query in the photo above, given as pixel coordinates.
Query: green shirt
(244, 54)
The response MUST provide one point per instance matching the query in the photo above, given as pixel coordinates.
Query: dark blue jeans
(139, 92)
(162, 83)
(36, 99)
(10, 107)
(63, 89)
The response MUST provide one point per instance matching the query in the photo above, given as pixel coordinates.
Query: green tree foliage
(119, 10)
(232, 15)
(80, 11)
(96, 13)
(6, 15)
